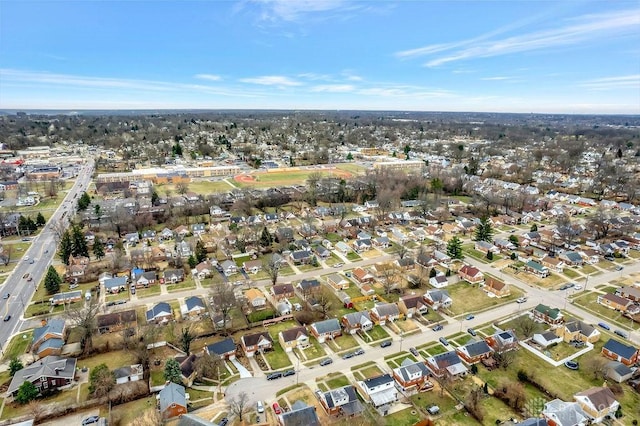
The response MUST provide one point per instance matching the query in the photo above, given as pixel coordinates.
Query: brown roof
(617, 299)
(282, 288)
(412, 301)
(599, 397)
(494, 283)
(360, 273)
(293, 333)
(253, 339)
(114, 318)
(471, 271)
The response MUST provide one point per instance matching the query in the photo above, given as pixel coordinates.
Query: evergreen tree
(513, 239)
(192, 261)
(484, 231)
(66, 247)
(40, 220)
(27, 392)
(79, 243)
(101, 380)
(534, 228)
(154, 197)
(52, 280)
(84, 201)
(265, 238)
(172, 371)
(200, 252)
(349, 157)
(433, 272)
(98, 249)
(14, 366)
(489, 255)
(454, 248)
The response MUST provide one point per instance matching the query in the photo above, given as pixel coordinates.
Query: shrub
(523, 376)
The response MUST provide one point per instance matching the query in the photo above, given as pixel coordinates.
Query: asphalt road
(36, 261)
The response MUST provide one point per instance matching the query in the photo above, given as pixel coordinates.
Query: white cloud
(333, 88)
(579, 30)
(614, 83)
(210, 77)
(293, 10)
(496, 78)
(271, 80)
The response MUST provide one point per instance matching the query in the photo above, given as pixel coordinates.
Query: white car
(577, 287)
(521, 299)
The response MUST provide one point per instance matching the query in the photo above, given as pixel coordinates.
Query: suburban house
(67, 297)
(228, 267)
(172, 401)
(621, 352)
(115, 285)
(300, 257)
(362, 276)
(282, 291)
(578, 330)
(553, 263)
(474, 352)
(307, 287)
(446, 363)
(300, 414)
(144, 280)
(338, 282)
(160, 313)
(293, 338)
(327, 329)
(187, 368)
(255, 298)
(193, 307)
(354, 321)
(380, 392)
(48, 373)
(631, 293)
(412, 376)
(48, 339)
(412, 304)
(257, 342)
(496, 287)
(439, 281)
(598, 402)
(571, 258)
(545, 314)
(438, 299)
(173, 276)
(560, 413)
(546, 339)
(503, 341)
(613, 301)
(116, 321)
(471, 274)
(341, 402)
(202, 270)
(383, 312)
(129, 373)
(536, 268)
(486, 247)
(225, 349)
(252, 266)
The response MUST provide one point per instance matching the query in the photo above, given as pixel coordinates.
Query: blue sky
(505, 56)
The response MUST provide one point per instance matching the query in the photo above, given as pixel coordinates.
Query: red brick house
(362, 276)
(282, 291)
(258, 342)
(172, 401)
(621, 352)
(503, 341)
(614, 301)
(471, 274)
(412, 376)
(474, 352)
(48, 373)
(496, 287)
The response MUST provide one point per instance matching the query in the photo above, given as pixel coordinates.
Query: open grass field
(201, 187)
(589, 301)
(470, 298)
(288, 176)
(18, 345)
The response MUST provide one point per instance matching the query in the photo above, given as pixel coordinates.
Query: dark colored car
(223, 421)
(90, 420)
(604, 325)
(6, 296)
(348, 355)
(288, 373)
(326, 361)
(274, 376)
(7, 318)
(437, 327)
(472, 332)
(621, 334)
(414, 351)
(444, 341)
(385, 344)
(469, 317)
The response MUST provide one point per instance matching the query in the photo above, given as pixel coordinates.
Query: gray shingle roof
(49, 366)
(172, 394)
(327, 326)
(222, 347)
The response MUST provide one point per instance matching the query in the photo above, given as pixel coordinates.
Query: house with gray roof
(68, 297)
(446, 363)
(115, 285)
(49, 373)
(474, 351)
(438, 299)
(300, 415)
(225, 349)
(379, 391)
(383, 312)
(172, 276)
(172, 401)
(160, 313)
(354, 321)
(327, 329)
(412, 376)
(129, 373)
(618, 372)
(48, 339)
(342, 401)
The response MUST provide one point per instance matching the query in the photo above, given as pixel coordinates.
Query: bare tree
(272, 267)
(239, 405)
(600, 223)
(182, 188)
(83, 316)
(147, 418)
(389, 279)
(36, 409)
(208, 366)
(505, 358)
(401, 251)
(526, 326)
(598, 366)
(223, 299)
(566, 232)
(324, 302)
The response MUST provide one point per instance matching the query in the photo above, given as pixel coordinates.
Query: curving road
(36, 261)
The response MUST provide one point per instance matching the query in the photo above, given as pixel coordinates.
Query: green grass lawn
(345, 342)
(436, 350)
(261, 315)
(18, 345)
(590, 269)
(157, 377)
(127, 413)
(277, 358)
(353, 256)
(372, 371)
(336, 381)
(571, 273)
(406, 417)
(378, 333)
(353, 291)
(187, 284)
(314, 350)
(589, 301)
(113, 360)
(148, 292)
(468, 298)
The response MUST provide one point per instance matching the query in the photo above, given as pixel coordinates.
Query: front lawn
(589, 301)
(313, 351)
(187, 284)
(353, 256)
(377, 333)
(337, 381)
(277, 358)
(345, 342)
(372, 371)
(148, 292)
(468, 298)
(18, 345)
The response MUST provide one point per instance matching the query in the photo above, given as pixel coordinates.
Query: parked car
(414, 352)
(577, 287)
(348, 355)
(437, 327)
(326, 361)
(288, 373)
(469, 317)
(577, 343)
(621, 333)
(338, 265)
(619, 268)
(90, 420)
(472, 332)
(521, 299)
(274, 376)
(572, 365)
(604, 325)
(276, 408)
(359, 351)
(385, 344)
(259, 407)
(223, 421)
(444, 341)
(433, 410)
